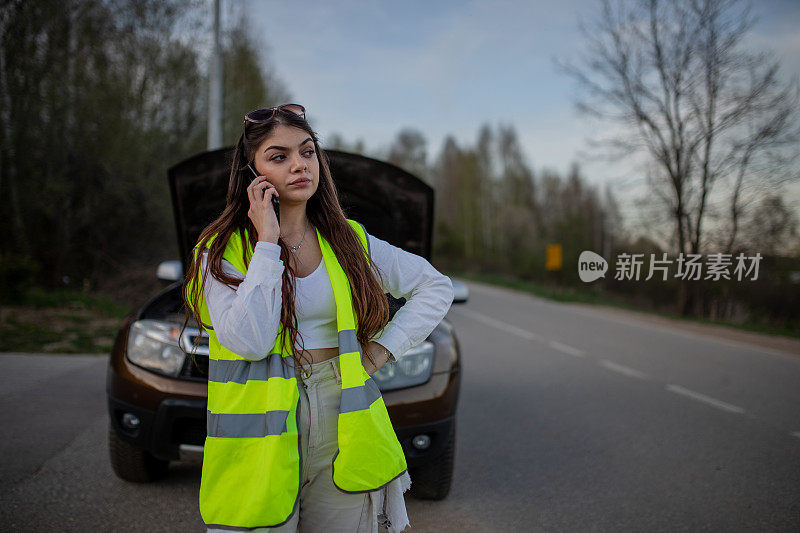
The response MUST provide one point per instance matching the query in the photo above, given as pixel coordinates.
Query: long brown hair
(323, 211)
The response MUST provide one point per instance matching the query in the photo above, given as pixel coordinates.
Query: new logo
(591, 266)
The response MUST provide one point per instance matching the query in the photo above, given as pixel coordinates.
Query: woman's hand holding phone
(262, 212)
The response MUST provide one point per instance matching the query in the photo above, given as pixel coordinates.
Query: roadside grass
(60, 321)
(64, 321)
(594, 297)
(40, 298)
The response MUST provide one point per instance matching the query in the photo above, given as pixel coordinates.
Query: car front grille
(189, 431)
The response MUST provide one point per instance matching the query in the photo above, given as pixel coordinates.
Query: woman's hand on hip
(378, 354)
(260, 193)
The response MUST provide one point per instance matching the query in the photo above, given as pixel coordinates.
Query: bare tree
(676, 76)
(612, 222)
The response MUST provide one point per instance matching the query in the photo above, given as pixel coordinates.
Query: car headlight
(413, 368)
(154, 345)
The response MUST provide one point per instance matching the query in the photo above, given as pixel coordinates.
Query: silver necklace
(293, 249)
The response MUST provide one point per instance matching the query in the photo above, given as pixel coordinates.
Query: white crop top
(315, 307)
(246, 318)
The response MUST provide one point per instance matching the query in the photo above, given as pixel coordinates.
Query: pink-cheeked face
(289, 161)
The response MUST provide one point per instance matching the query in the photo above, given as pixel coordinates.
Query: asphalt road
(569, 420)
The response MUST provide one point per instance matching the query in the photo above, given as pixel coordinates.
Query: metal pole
(215, 88)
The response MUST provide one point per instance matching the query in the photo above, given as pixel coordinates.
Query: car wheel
(432, 480)
(131, 463)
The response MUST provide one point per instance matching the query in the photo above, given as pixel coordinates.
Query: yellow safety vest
(252, 466)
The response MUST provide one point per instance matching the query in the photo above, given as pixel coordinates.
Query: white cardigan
(246, 319)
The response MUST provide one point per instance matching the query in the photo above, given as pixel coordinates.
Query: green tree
(336, 141)
(409, 151)
(519, 231)
(772, 228)
(246, 86)
(97, 99)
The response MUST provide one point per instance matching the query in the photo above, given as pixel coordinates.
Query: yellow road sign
(553, 257)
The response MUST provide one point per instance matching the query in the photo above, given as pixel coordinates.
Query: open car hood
(391, 203)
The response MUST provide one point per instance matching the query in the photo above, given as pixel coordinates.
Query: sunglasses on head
(263, 115)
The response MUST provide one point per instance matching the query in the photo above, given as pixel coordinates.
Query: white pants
(323, 507)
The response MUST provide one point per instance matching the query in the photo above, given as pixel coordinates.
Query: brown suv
(157, 394)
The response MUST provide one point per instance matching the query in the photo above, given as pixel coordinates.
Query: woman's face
(289, 161)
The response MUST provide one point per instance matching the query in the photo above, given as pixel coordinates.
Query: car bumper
(177, 430)
(171, 413)
(178, 425)
(437, 435)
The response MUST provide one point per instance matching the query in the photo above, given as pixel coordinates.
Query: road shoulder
(786, 345)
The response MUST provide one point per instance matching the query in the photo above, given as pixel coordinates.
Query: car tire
(134, 464)
(432, 481)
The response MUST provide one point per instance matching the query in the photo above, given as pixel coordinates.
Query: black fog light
(421, 442)
(130, 421)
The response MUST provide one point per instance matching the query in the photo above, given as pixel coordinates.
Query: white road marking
(566, 349)
(489, 321)
(677, 389)
(796, 434)
(622, 369)
(635, 321)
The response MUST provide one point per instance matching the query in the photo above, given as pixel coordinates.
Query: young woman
(293, 299)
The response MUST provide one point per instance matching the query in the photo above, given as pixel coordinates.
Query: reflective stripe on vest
(242, 370)
(252, 465)
(359, 398)
(247, 425)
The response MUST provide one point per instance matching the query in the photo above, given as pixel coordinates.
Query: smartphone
(275, 201)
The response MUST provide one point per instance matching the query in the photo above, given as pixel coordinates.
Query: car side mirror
(460, 292)
(170, 271)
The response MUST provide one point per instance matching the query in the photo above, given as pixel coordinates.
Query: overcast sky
(367, 69)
